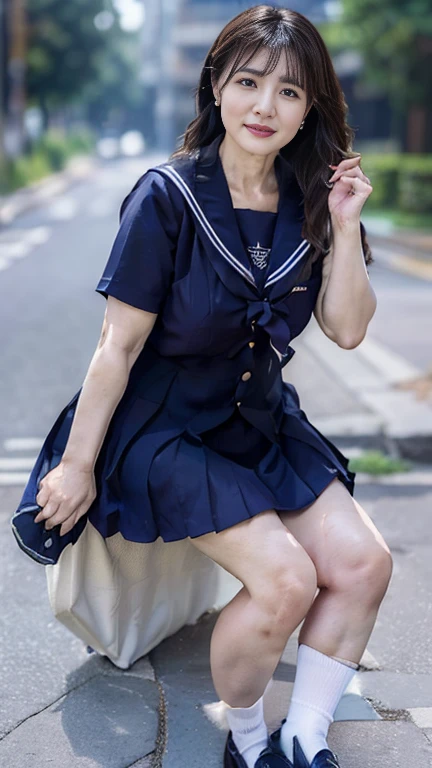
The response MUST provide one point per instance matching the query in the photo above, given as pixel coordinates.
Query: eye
(248, 80)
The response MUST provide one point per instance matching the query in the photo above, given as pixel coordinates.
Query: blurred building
(177, 35)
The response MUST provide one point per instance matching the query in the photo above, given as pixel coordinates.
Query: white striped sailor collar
(207, 192)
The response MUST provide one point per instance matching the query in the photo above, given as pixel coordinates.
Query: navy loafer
(266, 759)
(325, 758)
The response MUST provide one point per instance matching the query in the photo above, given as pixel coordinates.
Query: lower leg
(340, 625)
(248, 638)
(331, 643)
(246, 646)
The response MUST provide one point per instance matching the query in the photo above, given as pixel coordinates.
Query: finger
(81, 510)
(348, 172)
(68, 524)
(49, 509)
(66, 510)
(344, 165)
(42, 497)
(354, 170)
(359, 185)
(60, 516)
(349, 162)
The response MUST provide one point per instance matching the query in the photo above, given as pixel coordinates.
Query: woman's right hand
(65, 493)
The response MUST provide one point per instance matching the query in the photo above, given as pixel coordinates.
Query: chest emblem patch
(259, 255)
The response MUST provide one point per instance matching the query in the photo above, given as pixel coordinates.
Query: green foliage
(21, 171)
(68, 56)
(53, 145)
(81, 140)
(49, 154)
(378, 463)
(400, 181)
(399, 219)
(394, 38)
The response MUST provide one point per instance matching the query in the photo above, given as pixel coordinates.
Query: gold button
(239, 403)
(246, 376)
(251, 344)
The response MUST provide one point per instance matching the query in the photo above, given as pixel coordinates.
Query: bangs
(294, 71)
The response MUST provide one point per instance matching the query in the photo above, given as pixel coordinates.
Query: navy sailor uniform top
(208, 432)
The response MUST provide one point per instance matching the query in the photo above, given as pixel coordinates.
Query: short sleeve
(140, 266)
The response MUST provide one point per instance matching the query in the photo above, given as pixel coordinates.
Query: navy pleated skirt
(175, 475)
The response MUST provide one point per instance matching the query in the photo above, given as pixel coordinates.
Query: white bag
(123, 598)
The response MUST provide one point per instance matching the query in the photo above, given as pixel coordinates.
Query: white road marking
(62, 209)
(37, 235)
(22, 444)
(370, 371)
(34, 235)
(14, 464)
(15, 250)
(101, 208)
(17, 243)
(10, 479)
(391, 366)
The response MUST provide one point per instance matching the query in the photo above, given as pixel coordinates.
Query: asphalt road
(51, 260)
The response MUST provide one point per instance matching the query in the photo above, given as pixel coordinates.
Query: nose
(264, 104)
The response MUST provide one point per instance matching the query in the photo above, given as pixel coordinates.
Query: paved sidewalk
(63, 707)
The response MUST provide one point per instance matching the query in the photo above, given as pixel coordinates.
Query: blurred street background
(92, 93)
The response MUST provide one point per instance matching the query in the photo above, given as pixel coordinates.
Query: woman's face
(249, 99)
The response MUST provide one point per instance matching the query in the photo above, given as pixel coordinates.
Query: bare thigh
(259, 550)
(338, 534)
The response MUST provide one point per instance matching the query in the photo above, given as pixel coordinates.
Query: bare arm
(124, 332)
(346, 302)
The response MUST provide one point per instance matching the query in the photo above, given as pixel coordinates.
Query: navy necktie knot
(274, 318)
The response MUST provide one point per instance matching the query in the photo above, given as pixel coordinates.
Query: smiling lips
(260, 130)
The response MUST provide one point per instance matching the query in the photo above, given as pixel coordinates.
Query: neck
(247, 174)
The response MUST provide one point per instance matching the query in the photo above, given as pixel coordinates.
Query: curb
(389, 419)
(35, 194)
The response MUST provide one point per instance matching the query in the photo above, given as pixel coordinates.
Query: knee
(364, 568)
(290, 589)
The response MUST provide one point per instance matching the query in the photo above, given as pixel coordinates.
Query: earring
(216, 103)
(301, 125)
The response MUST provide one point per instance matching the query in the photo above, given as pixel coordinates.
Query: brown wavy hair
(326, 137)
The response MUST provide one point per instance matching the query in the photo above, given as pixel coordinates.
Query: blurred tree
(78, 53)
(117, 97)
(395, 39)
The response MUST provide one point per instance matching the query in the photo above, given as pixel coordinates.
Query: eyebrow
(282, 78)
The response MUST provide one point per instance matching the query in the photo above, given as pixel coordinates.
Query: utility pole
(165, 93)
(16, 72)
(3, 58)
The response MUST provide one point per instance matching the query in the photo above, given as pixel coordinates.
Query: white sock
(319, 684)
(249, 730)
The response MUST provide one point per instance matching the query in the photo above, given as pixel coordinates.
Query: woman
(184, 428)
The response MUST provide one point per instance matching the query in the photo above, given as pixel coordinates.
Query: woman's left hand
(349, 193)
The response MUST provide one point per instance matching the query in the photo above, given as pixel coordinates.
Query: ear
(215, 89)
